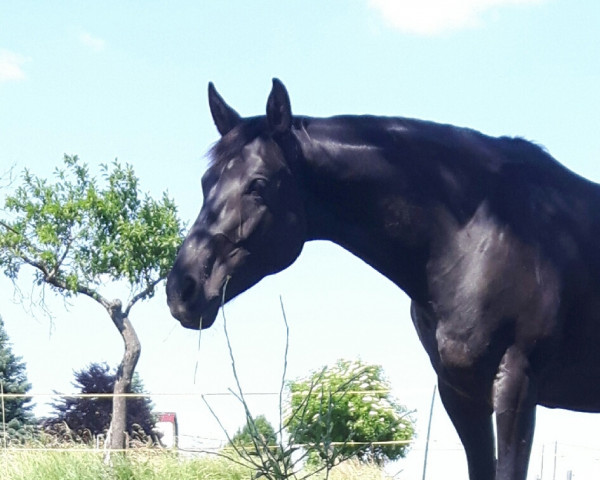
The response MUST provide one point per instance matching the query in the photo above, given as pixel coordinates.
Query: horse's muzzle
(187, 302)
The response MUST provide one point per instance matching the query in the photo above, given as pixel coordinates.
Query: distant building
(166, 425)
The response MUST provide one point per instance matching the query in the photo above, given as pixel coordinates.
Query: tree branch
(34, 263)
(8, 227)
(94, 295)
(19, 253)
(141, 295)
(62, 258)
(50, 276)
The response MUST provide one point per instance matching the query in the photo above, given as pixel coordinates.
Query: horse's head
(252, 221)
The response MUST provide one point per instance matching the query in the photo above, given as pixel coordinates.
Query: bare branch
(7, 182)
(284, 373)
(235, 447)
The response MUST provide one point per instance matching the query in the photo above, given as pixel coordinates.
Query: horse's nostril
(188, 287)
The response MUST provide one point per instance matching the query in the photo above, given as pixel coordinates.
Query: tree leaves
(259, 427)
(350, 403)
(79, 232)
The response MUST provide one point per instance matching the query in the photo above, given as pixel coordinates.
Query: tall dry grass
(79, 464)
(20, 464)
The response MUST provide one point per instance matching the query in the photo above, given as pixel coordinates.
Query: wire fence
(187, 443)
(557, 460)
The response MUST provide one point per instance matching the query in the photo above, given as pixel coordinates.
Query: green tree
(79, 234)
(94, 413)
(13, 379)
(255, 428)
(348, 408)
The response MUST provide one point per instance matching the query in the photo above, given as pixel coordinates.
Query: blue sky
(128, 80)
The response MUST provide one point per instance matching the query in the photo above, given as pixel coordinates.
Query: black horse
(494, 241)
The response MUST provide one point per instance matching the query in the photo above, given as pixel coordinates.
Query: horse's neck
(356, 198)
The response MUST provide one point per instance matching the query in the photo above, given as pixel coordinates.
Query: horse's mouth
(196, 320)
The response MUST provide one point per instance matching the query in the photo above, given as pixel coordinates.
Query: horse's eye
(257, 187)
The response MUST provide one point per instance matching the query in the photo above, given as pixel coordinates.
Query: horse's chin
(204, 319)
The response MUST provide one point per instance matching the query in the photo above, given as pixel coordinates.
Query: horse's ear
(279, 110)
(224, 116)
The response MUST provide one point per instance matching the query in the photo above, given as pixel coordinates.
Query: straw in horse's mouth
(200, 329)
(198, 352)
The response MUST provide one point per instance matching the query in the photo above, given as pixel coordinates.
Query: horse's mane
(509, 151)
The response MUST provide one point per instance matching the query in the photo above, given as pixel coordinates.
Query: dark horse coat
(493, 240)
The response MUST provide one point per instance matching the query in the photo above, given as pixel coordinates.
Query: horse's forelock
(231, 144)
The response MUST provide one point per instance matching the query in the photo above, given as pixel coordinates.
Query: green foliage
(257, 428)
(92, 415)
(348, 407)
(77, 231)
(13, 377)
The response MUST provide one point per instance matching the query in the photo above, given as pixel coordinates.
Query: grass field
(20, 464)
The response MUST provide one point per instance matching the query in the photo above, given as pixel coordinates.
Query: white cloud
(95, 43)
(11, 66)
(431, 17)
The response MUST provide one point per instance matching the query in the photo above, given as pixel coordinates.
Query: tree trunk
(118, 424)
